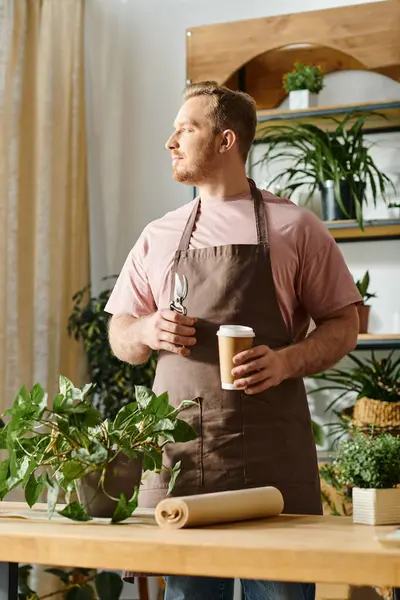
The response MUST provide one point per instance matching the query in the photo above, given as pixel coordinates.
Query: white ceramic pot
(300, 99)
(376, 507)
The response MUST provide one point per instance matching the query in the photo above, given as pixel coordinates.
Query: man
(253, 259)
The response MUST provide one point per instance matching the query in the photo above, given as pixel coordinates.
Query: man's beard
(197, 173)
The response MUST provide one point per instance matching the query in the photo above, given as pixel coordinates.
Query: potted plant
(364, 308)
(370, 467)
(114, 381)
(303, 84)
(82, 584)
(374, 387)
(337, 163)
(69, 446)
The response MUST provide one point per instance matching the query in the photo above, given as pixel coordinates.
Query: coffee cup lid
(235, 331)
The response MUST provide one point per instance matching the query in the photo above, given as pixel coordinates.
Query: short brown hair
(230, 110)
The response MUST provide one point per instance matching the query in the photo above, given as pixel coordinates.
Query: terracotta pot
(363, 317)
(122, 476)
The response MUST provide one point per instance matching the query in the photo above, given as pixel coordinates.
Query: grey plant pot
(331, 211)
(122, 476)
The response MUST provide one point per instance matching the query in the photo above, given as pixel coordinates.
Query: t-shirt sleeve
(132, 294)
(324, 284)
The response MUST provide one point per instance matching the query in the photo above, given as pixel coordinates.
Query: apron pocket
(278, 444)
(190, 454)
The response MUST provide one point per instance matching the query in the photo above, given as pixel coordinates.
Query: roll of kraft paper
(219, 507)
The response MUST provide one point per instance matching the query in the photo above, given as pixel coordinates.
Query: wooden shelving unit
(384, 117)
(386, 341)
(349, 231)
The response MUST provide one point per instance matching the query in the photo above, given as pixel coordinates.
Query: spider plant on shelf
(335, 160)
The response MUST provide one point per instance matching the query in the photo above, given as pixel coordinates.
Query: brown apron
(244, 441)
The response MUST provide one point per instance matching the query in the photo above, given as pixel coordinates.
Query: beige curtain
(44, 245)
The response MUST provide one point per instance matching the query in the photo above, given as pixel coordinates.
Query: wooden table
(287, 548)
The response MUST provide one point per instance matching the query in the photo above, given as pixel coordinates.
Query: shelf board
(384, 341)
(349, 230)
(318, 116)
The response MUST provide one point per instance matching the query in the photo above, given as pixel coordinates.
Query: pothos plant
(53, 447)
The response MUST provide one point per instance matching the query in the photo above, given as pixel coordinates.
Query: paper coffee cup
(232, 339)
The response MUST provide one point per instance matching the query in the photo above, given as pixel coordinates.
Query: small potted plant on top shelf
(364, 308)
(370, 467)
(69, 446)
(303, 84)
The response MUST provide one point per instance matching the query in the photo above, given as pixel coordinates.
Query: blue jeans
(210, 588)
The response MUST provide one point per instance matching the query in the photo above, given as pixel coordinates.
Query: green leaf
(183, 432)
(143, 396)
(124, 414)
(58, 402)
(66, 386)
(87, 389)
(98, 457)
(76, 512)
(108, 585)
(34, 488)
(39, 396)
(52, 495)
(3, 438)
(186, 404)
(25, 592)
(62, 575)
(125, 508)
(164, 425)
(73, 470)
(176, 469)
(84, 592)
(81, 407)
(130, 452)
(23, 467)
(4, 475)
(152, 459)
(159, 405)
(318, 433)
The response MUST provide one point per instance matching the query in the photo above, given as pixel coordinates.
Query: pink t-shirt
(310, 274)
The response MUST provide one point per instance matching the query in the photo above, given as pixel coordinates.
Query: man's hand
(335, 335)
(258, 369)
(168, 330)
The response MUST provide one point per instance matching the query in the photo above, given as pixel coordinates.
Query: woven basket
(381, 415)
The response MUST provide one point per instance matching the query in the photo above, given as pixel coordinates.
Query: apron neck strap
(259, 213)
(187, 233)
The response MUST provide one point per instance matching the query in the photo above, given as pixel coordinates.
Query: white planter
(302, 99)
(376, 507)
